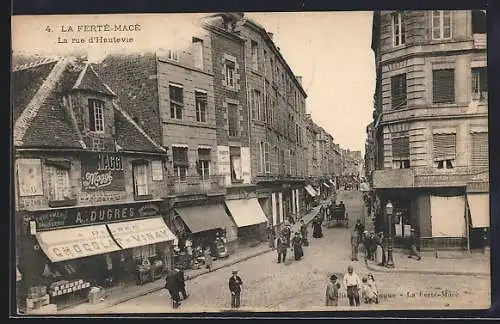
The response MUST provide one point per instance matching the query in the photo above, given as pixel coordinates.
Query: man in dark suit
(235, 283)
(172, 285)
(181, 283)
(281, 247)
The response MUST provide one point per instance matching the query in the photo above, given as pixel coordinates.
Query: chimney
(270, 35)
(299, 78)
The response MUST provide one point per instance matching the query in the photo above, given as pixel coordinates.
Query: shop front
(201, 227)
(249, 218)
(478, 210)
(311, 198)
(76, 249)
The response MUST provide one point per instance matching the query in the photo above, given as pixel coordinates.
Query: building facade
(276, 101)
(178, 84)
(431, 123)
(89, 182)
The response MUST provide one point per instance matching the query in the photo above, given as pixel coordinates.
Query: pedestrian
(332, 291)
(352, 284)
(367, 293)
(297, 247)
(303, 232)
(281, 247)
(182, 283)
(359, 227)
(172, 285)
(412, 244)
(373, 286)
(354, 246)
(235, 283)
(317, 231)
(380, 253)
(271, 236)
(287, 232)
(207, 256)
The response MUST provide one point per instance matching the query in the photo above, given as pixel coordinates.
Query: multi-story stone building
(276, 101)
(178, 84)
(89, 182)
(233, 125)
(431, 123)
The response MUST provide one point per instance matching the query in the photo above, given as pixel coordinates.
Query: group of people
(374, 245)
(285, 241)
(357, 289)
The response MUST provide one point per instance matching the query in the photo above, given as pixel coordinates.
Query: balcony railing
(196, 185)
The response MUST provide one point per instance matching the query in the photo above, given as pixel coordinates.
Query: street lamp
(389, 209)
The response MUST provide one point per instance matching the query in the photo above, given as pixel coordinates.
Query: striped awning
(310, 190)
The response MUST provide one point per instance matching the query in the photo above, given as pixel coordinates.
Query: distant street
(300, 285)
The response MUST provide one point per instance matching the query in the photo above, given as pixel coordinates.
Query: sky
(337, 67)
(330, 50)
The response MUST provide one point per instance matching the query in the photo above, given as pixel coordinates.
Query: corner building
(89, 185)
(431, 124)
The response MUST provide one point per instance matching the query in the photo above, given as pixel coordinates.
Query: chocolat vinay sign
(102, 172)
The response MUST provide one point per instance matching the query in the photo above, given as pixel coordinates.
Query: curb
(432, 272)
(155, 289)
(160, 287)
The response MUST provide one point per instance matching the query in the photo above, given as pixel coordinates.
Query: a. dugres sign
(102, 172)
(51, 219)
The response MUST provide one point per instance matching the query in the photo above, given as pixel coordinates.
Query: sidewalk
(474, 264)
(132, 292)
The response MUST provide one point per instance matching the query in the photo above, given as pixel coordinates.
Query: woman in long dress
(380, 255)
(332, 292)
(317, 232)
(208, 259)
(297, 246)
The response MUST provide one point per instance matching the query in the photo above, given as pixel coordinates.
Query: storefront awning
(77, 242)
(326, 185)
(140, 232)
(246, 212)
(204, 217)
(310, 190)
(479, 205)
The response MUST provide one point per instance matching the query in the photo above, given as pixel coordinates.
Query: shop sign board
(50, 219)
(102, 171)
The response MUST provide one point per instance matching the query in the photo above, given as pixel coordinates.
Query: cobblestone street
(300, 285)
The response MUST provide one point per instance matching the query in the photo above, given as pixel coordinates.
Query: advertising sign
(102, 171)
(51, 219)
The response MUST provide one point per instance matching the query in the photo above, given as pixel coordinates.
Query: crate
(35, 303)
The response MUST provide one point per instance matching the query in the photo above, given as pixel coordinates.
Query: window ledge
(143, 197)
(62, 203)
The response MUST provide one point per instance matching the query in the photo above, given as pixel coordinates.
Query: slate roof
(51, 125)
(25, 83)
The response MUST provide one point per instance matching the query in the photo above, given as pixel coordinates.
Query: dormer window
(96, 115)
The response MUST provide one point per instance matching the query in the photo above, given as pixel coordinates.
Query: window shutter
(480, 150)
(443, 86)
(444, 147)
(91, 115)
(401, 148)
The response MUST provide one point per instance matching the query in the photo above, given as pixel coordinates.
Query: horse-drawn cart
(338, 216)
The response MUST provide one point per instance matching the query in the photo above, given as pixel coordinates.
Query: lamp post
(389, 209)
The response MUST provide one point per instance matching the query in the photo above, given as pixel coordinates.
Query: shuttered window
(444, 147)
(480, 150)
(443, 86)
(398, 91)
(401, 148)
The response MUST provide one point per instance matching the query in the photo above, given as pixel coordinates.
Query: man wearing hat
(235, 283)
(281, 247)
(352, 284)
(332, 291)
(412, 244)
